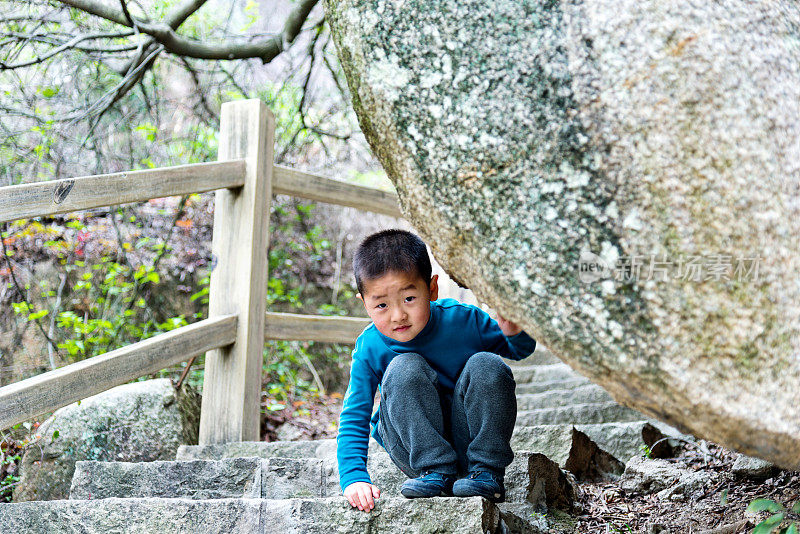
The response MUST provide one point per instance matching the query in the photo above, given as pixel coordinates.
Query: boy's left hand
(509, 328)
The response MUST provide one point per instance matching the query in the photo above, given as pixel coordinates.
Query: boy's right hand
(361, 495)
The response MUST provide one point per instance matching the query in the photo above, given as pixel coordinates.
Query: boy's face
(399, 303)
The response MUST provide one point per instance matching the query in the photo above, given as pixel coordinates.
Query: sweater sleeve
(352, 441)
(516, 347)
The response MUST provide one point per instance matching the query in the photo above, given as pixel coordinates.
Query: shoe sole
(411, 494)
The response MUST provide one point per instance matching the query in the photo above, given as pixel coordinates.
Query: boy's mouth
(402, 328)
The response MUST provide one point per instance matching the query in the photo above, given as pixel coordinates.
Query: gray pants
(426, 427)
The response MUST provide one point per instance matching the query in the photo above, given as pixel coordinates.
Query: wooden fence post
(232, 381)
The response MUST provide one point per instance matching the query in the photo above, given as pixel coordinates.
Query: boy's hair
(390, 251)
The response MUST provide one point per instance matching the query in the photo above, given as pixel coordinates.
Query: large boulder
(138, 422)
(620, 176)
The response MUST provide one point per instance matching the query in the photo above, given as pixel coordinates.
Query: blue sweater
(453, 333)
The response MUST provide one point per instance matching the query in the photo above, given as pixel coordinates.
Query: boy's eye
(409, 299)
(381, 305)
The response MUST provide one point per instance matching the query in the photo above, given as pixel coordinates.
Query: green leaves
(764, 505)
(50, 92)
(37, 315)
(769, 524)
(773, 522)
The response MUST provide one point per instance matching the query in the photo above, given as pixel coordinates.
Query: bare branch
(183, 12)
(66, 46)
(265, 49)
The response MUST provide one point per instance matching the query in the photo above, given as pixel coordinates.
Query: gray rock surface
(525, 388)
(754, 468)
(541, 356)
(565, 445)
(589, 394)
(525, 518)
(197, 479)
(668, 480)
(224, 516)
(582, 414)
(526, 137)
(384, 474)
(544, 373)
(138, 422)
(272, 478)
(535, 479)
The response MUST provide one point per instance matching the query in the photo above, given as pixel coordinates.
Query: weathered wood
(49, 391)
(287, 181)
(295, 327)
(71, 194)
(232, 381)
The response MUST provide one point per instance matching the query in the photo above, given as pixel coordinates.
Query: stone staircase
(567, 429)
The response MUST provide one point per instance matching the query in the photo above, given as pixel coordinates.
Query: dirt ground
(718, 509)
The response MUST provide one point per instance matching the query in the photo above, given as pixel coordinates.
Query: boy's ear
(434, 288)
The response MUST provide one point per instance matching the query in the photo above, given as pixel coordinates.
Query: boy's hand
(361, 494)
(508, 328)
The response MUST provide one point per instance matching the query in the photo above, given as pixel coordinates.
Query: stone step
(577, 414)
(549, 385)
(260, 449)
(541, 356)
(273, 478)
(520, 475)
(596, 450)
(544, 373)
(586, 394)
(246, 516)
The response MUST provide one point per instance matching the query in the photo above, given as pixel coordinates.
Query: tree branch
(69, 44)
(164, 32)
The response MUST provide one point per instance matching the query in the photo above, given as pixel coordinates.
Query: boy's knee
(409, 368)
(488, 367)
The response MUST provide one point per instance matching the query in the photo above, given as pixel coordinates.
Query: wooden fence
(245, 179)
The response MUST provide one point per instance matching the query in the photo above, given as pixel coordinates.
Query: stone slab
(245, 516)
(620, 440)
(588, 394)
(602, 412)
(550, 385)
(544, 373)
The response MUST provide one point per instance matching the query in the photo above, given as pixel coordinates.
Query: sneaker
(430, 484)
(481, 484)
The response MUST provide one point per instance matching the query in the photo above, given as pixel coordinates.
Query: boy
(448, 406)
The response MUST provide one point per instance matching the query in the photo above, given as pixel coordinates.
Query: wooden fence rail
(302, 184)
(49, 391)
(44, 199)
(292, 326)
(87, 192)
(245, 179)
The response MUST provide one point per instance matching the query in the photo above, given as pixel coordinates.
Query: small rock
(754, 468)
(289, 432)
(656, 528)
(672, 482)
